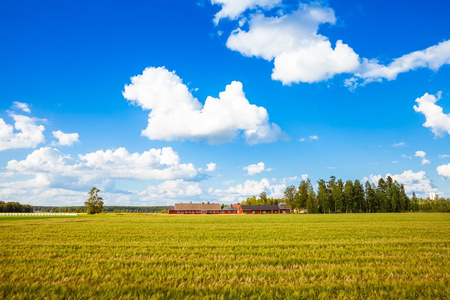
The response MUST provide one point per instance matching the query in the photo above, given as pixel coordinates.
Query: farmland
(159, 256)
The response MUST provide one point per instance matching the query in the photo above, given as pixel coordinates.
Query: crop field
(356, 256)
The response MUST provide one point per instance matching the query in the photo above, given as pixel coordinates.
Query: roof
(229, 208)
(197, 206)
(259, 207)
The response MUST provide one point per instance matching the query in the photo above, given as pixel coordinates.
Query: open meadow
(366, 256)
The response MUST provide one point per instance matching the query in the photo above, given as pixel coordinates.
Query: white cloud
(433, 58)
(22, 106)
(252, 188)
(256, 168)
(299, 53)
(176, 114)
(436, 119)
(422, 155)
(311, 138)
(178, 189)
(211, 167)
(24, 134)
(48, 172)
(407, 156)
(65, 139)
(444, 155)
(101, 167)
(232, 9)
(400, 144)
(413, 182)
(444, 170)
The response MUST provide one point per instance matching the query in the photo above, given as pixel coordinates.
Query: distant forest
(16, 207)
(337, 196)
(333, 196)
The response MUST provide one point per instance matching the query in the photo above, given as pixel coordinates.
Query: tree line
(337, 196)
(15, 207)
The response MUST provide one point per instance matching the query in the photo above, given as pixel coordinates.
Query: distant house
(215, 208)
(199, 208)
(262, 209)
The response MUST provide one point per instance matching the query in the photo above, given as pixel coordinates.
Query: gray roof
(197, 206)
(259, 207)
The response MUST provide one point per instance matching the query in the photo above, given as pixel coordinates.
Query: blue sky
(156, 102)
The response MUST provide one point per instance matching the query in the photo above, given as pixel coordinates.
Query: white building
(433, 196)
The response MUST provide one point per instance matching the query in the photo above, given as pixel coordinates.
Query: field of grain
(366, 256)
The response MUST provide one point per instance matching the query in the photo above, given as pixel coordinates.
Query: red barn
(196, 208)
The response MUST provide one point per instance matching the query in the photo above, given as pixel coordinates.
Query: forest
(337, 196)
(15, 207)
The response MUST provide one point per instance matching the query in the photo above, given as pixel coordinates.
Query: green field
(365, 256)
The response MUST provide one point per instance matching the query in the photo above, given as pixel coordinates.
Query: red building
(262, 209)
(201, 208)
(216, 208)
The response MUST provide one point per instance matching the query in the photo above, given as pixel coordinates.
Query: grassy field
(365, 256)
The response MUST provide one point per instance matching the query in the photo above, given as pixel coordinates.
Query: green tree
(263, 198)
(414, 202)
(358, 196)
(312, 203)
(289, 196)
(348, 196)
(302, 194)
(323, 196)
(94, 204)
(371, 198)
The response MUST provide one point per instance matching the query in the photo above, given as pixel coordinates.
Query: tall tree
(263, 198)
(303, 193)
(312, 205)
(381, 195)
(94, 204)
(323, 196)
(414, 202)
(358, 196)
(348, 196)
(289, 196)
(371, 199)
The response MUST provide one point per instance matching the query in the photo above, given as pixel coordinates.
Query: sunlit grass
(246, 256)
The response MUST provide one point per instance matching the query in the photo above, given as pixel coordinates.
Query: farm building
(215, 208)
(201, 208)
(262, 209)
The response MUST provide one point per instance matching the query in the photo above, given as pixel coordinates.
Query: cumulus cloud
(444, 170)
(249, 188)
(176, 114)
(211, 167)
(300, 54)
(22, 106)
(292, 41)
(232, 9)
(65, 139)
(101, 167)
(433, 58)
(435, 118)
(413, 182)
(25, 133)
(171, 189)
(422, 155)
(256, 169)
